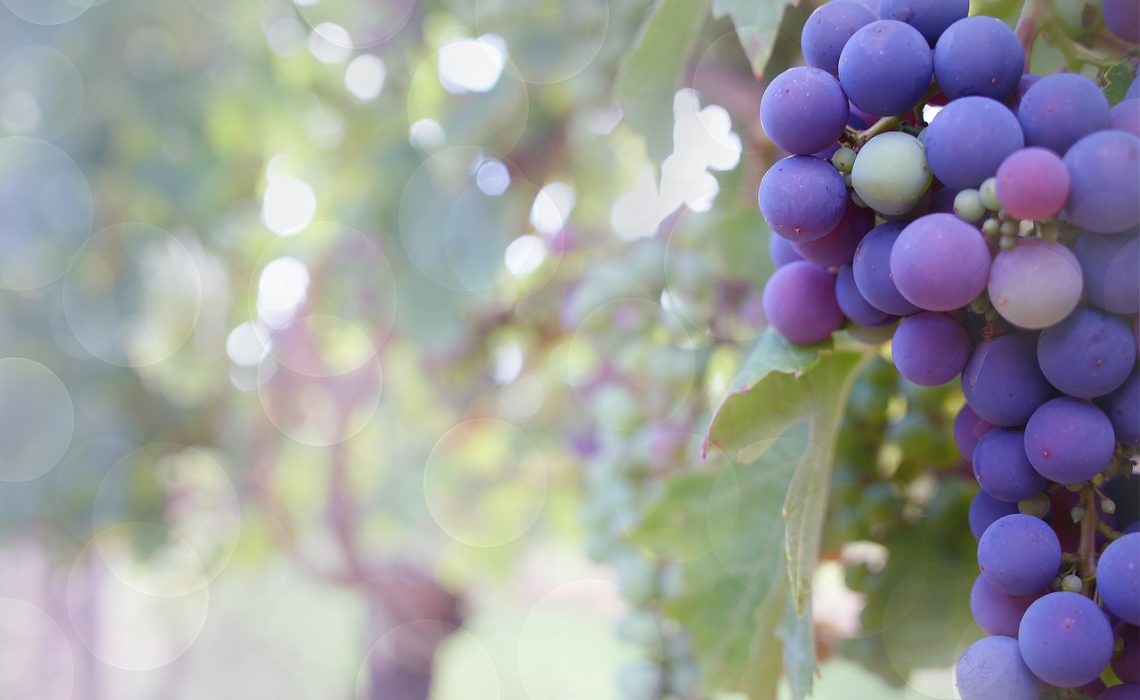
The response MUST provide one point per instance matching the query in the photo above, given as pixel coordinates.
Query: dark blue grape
(1019, 554)
(1002, 381)
(828, 29)
(992, 669)
(968, 430)
(978, 55)
(1123, 410)
(838, 246)
(1089, 354)
(885, 67)
(804, 110)
(872, 268)
(1118, 578)
(852, 303)
(802, 198)
(1109, 265)
(1060, 110)
(781, 251)
(1104, 172)
(1124, 691)
(1002, 468)
(996, 612)
(968, 139)
(929, 17)
(1122, 17)
(1069, 440)
(1125, 117)
(930, 349)
(1065, 639)
(985, 510)
(799, 301)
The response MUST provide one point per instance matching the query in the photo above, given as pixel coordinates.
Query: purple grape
(1109, 264)
(781, 251)
(1118, 578)
(1133, 90)
(1069, 441)
(1065, 639)
(1122, 17)
(1019, 554)
(996, 612)
(968, 139)
(1016, 288)
(799, 301)
(1124, 691)
(885, 67)
(929, 17)
(852, 303)
(1089, 354)
(943, 201)
(986, 510)
(992, 669)
(1060, 110)
(968, 431)
(978, 55)
(1002, 382)
(930, 349)
(1123, 409)
(802, 198)
(872, 268)
(838, 246)
(804, 110)
(1013, 99)
(1127, 663)
(1104, 172)
(828, 29)
(1002, 468)
(1033, 184)
(940, 263)
(1125, 117)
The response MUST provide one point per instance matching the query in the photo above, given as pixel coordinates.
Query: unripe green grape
(988, 191)
(1072, 584)
(1009, 228)
(968, 206)
(843, 159)
(1037, 506)
(991, 227)
(891, 174)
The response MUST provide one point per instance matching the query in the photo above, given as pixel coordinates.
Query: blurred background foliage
(345, 341)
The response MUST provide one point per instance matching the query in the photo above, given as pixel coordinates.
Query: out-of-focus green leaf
(758, 25)
(1117, 78)
(725, 525)
(650, 72)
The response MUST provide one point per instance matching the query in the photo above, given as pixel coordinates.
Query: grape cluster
(1002, 235)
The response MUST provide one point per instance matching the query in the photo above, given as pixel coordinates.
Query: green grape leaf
(651, 71)
(778, 385)
(724, 525)
(759, 26)
(1117, 78)
(799, 651)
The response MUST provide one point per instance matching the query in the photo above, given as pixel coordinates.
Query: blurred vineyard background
(344, 336)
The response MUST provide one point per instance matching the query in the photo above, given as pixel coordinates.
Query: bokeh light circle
(133, 295)
(485, 482)
(41, 93)
(37, 419)
(319, 411)
(535, 28)
(48, 12)
(46, 212)
(355, 24)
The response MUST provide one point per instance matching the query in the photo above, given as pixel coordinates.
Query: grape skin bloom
(969, 139)
(1087, 355)
(885, 68)
(930, 349)
(802, 198)
(1118, 578)
(1002, 382)
(992, 669)
(1104, 172)
(1019, 554)
(1032, 184)
(1016, 285)
(827, 30)
(1060, 110)
(799, 301)
(1065, 639)
(978, 55)
(1069, 440)
(940, 263)
(804, 110)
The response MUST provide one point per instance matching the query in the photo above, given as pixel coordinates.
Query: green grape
(843, 159)
(891, 174)
(968, 206)
(988, 192)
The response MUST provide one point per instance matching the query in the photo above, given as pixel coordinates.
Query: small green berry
(991, 227)
(1108, 506)
(1072, 584)
(1038, 506)
(1078, 513)
(968, 206)
(1009, 228)
(843, 159)
(988, 190)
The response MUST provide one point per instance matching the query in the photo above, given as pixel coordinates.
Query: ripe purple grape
(1033, 184)
(1104, 172)
(802, 198)
(1124, 691)
(1122, 17)
(781, 251)
(1002, 468)
(804, 110)
(1069, 441)
(978, 55)
(1065, 639)
(1060, 110)
(968, 139)
(1089, 354)
(1002, 382)
(1125, 117)
(1109, 264)
(1016, 285)
(1118, 578)
(1123, 409)
(992, 669)
(985, 510)
(885, 67)
(852, 303)
(799, 301)
(827, 30)
(940, 263)
(1019, 554)
(873, 272)
(969, 430)
(930, 349)
(929, 17)
(995, 612)
(838, 246)
(1127, 663)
